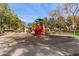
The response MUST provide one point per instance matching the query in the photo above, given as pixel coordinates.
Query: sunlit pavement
(53, 45)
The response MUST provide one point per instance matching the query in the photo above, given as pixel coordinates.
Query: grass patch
(72, 32)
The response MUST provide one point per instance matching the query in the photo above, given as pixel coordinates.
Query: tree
(58, 16)
(8, 19)
(61, 23)
(72, 10)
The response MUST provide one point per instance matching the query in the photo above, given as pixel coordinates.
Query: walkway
(52, 45)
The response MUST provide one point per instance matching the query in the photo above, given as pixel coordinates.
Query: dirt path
(52, 45)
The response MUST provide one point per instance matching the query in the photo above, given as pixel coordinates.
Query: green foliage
(8, 19)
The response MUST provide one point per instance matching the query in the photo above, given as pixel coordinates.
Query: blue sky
(28, 12)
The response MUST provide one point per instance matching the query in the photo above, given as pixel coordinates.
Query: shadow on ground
(51, 45)
(47, 40)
